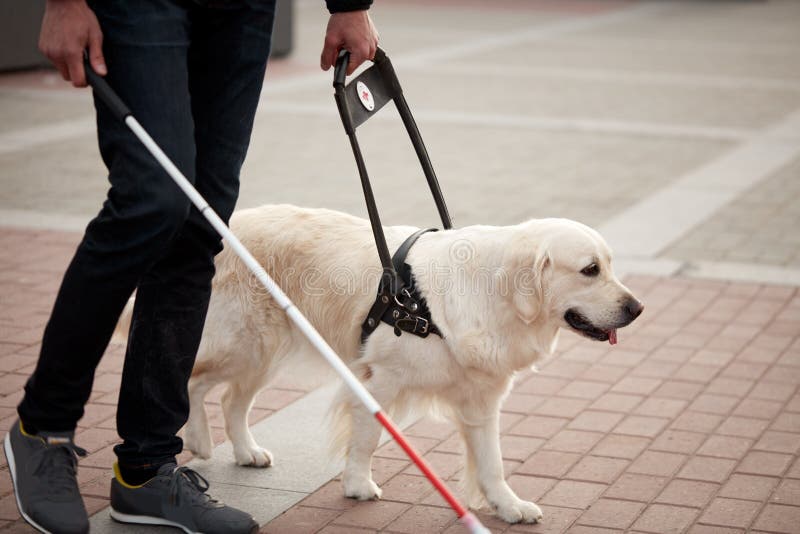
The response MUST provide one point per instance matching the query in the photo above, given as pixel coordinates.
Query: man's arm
(68, 28)
(350, 27)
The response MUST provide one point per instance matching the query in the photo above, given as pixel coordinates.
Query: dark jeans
(191, 73)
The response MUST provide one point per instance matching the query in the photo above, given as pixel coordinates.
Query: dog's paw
(519, 512)
(200, 447)
(253, 457)
(362, 489)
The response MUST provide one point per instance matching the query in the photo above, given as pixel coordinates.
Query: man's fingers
(330, 48)
(63, 70)
(68, 29)
(76, 73)
(96, 52)
(326, 60)
(356, 59)
(56, 59)
(329, 57)
(358, 56)
(60, 66)
(353, 31)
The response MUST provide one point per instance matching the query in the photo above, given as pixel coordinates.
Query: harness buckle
(399, 303)
(412, 324)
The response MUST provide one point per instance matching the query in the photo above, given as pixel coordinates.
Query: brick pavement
(691, 423)
(31, 267)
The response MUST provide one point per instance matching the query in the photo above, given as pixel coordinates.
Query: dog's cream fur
(471, 278)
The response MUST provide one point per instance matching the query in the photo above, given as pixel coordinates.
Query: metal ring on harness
(407, 310)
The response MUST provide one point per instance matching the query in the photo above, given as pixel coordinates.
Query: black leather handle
(104, 91)
(340, 70)
(380, 56)
(342, 62)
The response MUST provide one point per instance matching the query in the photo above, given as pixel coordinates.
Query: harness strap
(399, 257)
(406, 311)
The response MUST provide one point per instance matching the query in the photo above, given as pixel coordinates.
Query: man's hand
(68, 28)
(353, 31)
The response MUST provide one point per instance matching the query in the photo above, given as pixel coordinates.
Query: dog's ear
(528, 273)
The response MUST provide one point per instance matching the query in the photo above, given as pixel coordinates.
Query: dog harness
(398, 303)
(406, 310)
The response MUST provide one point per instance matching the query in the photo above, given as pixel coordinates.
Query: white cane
(121, 111)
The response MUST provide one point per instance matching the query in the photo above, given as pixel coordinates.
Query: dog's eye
(591, 270)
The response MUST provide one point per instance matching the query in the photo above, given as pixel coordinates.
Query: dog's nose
(633, 308)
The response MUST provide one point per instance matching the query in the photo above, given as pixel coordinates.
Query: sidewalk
(31, 267)
(671, 127)
(693, 419)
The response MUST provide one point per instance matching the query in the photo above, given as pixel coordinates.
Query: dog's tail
(339, 420)
(123, 324)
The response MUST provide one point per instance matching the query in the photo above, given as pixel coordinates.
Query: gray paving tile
(297, 437)
(762, 226)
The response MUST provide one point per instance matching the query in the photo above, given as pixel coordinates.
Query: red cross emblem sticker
(365, 95)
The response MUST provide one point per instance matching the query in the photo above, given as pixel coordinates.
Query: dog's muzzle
(630, 311)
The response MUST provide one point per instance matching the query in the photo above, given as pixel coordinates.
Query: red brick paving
(690, 424)
(30, 271)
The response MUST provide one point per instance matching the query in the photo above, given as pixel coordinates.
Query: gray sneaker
(43, 470)
(176, 497)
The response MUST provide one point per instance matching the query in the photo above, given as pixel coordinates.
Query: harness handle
(340, 70)
(343, 60)
(357, 102)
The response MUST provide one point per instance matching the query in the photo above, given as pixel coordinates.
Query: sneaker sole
(12, 468)
(148, 520)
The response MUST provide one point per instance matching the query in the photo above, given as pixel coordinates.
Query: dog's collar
(405, 311)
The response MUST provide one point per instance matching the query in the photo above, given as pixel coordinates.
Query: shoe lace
(186, 480)
(58, 466)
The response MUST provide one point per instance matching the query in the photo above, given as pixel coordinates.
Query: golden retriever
(499, 295)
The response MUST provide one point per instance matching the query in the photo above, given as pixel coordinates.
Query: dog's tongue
(612, 336)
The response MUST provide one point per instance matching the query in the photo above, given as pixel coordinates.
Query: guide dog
(498, 294)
